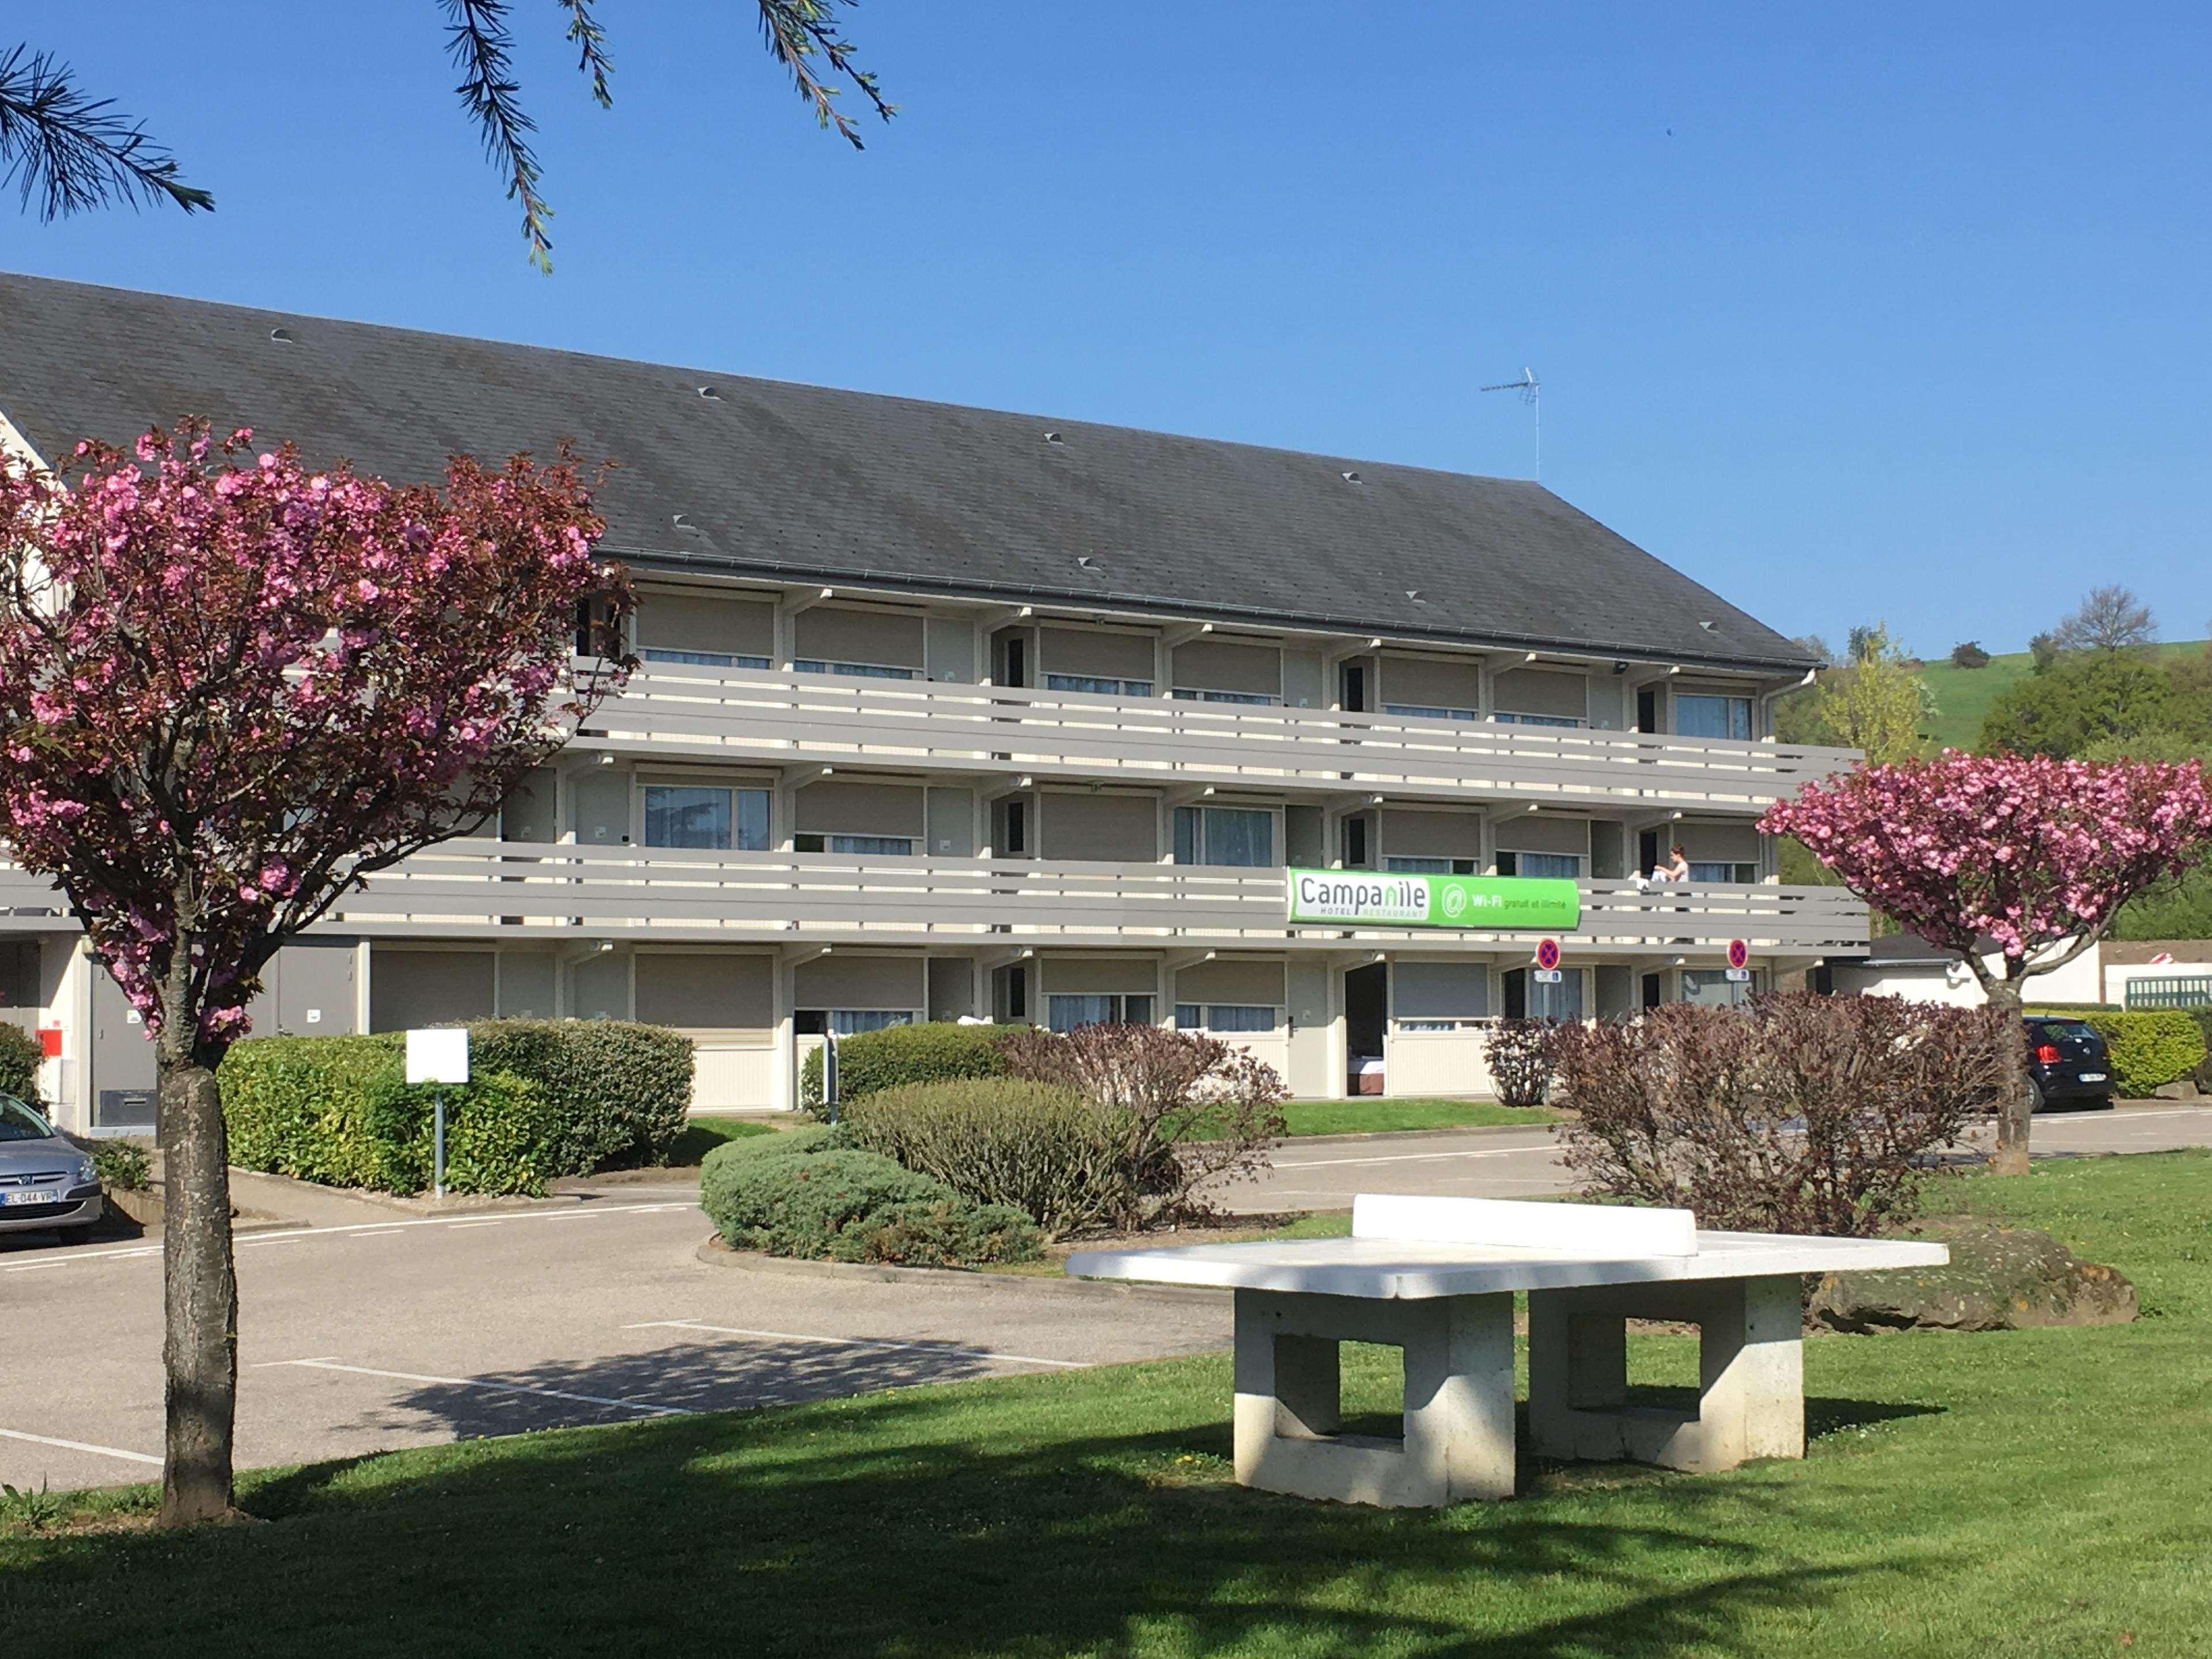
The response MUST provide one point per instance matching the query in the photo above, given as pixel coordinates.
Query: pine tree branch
(482, 48)
(73, 152)
(797, 31)
(591, 43)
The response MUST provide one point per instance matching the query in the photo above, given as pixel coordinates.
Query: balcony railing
(773, 717)
(478, 887)
(531, 893)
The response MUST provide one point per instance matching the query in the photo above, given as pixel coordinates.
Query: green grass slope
(1963, 695)
(2026, 1494)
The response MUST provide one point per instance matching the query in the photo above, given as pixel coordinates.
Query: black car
(2067, 1065)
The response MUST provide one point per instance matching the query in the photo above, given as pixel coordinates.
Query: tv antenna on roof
(1531, 394)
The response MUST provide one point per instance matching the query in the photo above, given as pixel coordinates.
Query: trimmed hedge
(334, 1110)
(500, 1133)
(939, 1051)
(1068, 1162)
(810, 1195)
(602, 1093)
(621, 1091)
(2151, 1047)
(20, 1055)
(298, 1106)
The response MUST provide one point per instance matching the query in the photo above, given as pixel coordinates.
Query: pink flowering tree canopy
(2034, 854)
(231, 685)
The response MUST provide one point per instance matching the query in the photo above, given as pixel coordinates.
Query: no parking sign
(1738, 954)
(1547, 954)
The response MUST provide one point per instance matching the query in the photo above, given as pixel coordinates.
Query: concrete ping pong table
(1434, 1277)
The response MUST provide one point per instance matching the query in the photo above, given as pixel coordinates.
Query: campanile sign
(1373, 898)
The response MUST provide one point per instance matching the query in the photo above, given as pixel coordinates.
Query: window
(851, 1022)
(1355, 843)
(1065, 1013)
(1190, 694)
(1713, 987)
(715, 819)
(1563, 866)
(1535, 719)
(1724, 872)
(1413, 866)
(1226, 1017)
(1560, 1001)
(1224, 835)
(1094, 682)
(1530, 998)
(865, 671)
(855, 845)
(1699, 714)
(700, 659)
(1427, 711)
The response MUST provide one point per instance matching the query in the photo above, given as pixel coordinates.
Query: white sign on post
(438, 1055)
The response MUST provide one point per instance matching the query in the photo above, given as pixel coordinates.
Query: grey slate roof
(807, 483)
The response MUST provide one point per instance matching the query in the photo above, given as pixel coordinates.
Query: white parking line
(78, 1255)
(1407, 1157)
(79, 1446)
(857, 1342)
(486, 1383)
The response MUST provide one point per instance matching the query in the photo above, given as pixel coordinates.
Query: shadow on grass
(1044, 1518)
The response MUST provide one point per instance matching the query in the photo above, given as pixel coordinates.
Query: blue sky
(1849, 312)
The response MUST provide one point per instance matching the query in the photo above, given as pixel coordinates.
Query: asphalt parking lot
(365, 1337)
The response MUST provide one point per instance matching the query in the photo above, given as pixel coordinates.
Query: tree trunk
(199, 1351)
(2010, 1157)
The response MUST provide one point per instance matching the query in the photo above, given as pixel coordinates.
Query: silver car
(46, 1185)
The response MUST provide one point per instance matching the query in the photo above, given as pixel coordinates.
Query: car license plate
(30, 1195)
(2093, 1077)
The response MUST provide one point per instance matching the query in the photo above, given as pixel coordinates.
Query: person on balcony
(1674, 871)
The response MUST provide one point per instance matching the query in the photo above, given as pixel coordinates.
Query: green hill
(1963, 695)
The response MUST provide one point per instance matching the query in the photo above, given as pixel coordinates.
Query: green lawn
(2006, 1497)
(705, 1134)
(1963, 695)
(1377, 1116)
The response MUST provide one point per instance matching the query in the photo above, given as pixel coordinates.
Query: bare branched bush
(1196, 1109)
(1520, 1056)
(1798, 1114)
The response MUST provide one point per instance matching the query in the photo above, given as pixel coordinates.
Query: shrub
(1969, 654)
(297, 1106)
(617, 1093)
(621, 1091)
(2150, 1048)
(1801, 1113)
(124, 1166)
(938, 1052)
(1198, 1109)
(817, 1198)
(1069, 1162)
(500, 1134)
(20, 1055)
(334, 1110)
(1520, 1056)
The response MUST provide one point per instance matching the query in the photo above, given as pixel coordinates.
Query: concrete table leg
(1458, 1422)
(1751, 1373)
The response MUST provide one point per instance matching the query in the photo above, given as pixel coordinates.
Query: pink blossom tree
(2033, 856)
(232, 686)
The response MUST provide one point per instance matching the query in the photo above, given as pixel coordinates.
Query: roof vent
(1708, 627)
(683, 521)
(1351, 477)
(1054, 438)
(1086, 561)
(1414, 594)
(711, 393)
(282, 335)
